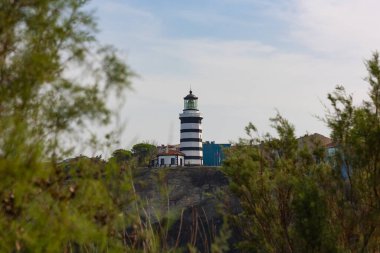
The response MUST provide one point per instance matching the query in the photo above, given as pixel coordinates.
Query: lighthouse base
(193, 162)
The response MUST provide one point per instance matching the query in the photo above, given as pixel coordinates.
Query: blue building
(213, 153)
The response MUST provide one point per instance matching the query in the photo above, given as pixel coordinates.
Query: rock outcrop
(195, 198)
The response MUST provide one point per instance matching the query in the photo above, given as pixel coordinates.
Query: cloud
(237, 80)
(348, 28)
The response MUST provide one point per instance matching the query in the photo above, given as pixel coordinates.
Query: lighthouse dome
(191, 96)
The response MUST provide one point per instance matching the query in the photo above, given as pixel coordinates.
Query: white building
(191, 131)
(170, 158)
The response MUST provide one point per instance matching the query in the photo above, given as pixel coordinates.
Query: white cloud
(346, 28)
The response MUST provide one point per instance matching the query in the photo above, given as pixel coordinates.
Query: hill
(192, 197)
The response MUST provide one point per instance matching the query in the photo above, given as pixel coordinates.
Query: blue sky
(216, 19)
(243, 58)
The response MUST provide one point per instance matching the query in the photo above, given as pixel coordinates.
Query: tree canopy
(122, 155)
(144, 152)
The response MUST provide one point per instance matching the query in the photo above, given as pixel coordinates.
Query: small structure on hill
(169, 158)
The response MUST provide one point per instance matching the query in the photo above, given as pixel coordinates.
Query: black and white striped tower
(191, 131)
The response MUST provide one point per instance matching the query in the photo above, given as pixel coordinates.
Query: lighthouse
(191, 131)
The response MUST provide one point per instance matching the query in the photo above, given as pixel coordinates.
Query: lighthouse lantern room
(191, 131)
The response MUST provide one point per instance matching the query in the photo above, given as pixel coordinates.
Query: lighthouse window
(191, 104)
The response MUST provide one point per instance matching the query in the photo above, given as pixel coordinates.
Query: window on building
(172, 161)
(162, 162)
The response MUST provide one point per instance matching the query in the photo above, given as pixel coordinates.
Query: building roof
(314, 139)
(170, 153)
(191, 96)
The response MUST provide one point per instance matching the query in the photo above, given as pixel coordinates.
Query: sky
(244, 59)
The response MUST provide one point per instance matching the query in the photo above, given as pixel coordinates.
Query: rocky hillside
(193, 197)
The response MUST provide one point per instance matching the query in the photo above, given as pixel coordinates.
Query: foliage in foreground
(47, 205)
(297, 200)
